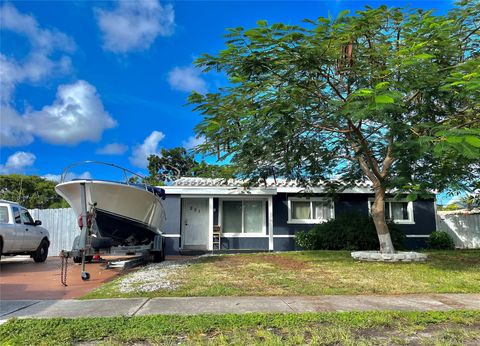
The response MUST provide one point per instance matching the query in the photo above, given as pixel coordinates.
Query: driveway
(22, 278)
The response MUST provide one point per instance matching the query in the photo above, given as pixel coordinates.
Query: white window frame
(411, 219)
(243, 234)
(311, 199)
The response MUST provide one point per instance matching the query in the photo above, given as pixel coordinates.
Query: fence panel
(62, 225)
(464, 228)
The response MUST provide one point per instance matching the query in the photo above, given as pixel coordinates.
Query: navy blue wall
(172, 205)
(424, 217)
(172, 246)
(245, 243)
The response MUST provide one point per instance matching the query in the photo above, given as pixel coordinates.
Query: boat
(124, 213)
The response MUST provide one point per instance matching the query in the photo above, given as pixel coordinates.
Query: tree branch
(389, 159)
(332, 130)
(366, 150)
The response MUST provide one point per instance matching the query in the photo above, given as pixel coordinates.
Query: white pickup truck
(20, 235)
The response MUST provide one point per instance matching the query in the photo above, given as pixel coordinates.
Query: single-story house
(267, 217)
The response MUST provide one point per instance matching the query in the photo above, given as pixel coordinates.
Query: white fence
(464, 229)
(62, 225)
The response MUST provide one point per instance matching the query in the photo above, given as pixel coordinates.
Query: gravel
(154, 277)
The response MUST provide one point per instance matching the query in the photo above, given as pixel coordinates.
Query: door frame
(210, 220)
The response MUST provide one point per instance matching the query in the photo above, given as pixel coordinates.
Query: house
(267, 217)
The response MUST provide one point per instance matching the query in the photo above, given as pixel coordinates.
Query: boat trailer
(87, 245)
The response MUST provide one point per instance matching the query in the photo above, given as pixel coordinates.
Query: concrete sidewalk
(221, 305)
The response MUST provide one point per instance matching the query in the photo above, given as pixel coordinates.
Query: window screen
(300, 210)
(253, 216)
(232, 217)
(400, 210)
(322, 210)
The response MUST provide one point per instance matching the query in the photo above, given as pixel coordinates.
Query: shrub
(440, 240)
(347, 232)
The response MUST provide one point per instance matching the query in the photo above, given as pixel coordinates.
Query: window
(313, 210)
(396, 211)
(4, 214)
(26, 218)
(16, 215)
(243, 217)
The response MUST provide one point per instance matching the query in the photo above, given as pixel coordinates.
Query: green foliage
(170, 165)
(30, 191)
(205, 170)
(177, 162)
(347, 232)
(472, 201)
(450, 207)
(387, 94)
(440, 240)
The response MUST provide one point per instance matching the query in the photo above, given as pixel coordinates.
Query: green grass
(315, 273)
(352, 328)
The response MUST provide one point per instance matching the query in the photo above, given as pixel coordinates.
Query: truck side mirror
(38, 222)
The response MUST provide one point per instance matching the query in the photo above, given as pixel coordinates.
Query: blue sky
(108, 81)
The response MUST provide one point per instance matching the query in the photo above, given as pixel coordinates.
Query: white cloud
(134, 25)
(193, 141)
(17, 162)
(113, 149)
(69, 176)
(149, 147)
(14, 130)
(187, 79)
(75, 116)
(39, 62)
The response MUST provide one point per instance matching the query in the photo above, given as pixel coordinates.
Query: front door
(195, 223)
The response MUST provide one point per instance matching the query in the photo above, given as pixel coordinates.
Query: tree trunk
(378, 215)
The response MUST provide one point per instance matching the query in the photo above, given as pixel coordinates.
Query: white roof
(214, 186)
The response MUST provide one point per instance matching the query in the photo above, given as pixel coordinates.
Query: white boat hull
(123, 211)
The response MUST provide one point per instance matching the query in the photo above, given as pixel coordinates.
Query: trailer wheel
(85, 276)
(163, 250)
(157, 256)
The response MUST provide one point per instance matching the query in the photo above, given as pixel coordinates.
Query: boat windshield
(157, 191)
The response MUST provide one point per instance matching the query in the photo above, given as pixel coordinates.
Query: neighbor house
(267, 217)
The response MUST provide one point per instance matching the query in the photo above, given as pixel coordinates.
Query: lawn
(352, 328)
(310, 273)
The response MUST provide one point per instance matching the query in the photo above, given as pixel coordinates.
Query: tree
(177, 162)
(171, 164)
(30, 191)
(357, 97)
(205, 170)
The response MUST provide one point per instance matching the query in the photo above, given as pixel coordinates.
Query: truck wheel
(40, 255)
(156, 256)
